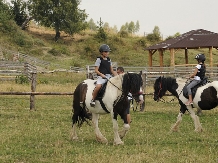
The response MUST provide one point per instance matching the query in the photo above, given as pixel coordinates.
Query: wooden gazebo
(194, 39)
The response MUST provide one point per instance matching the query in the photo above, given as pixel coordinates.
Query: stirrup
(92, 103)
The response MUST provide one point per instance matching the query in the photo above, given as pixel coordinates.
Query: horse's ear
(140, 73)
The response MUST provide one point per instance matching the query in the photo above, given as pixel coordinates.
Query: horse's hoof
(102, 140)
(199, 130)
(118, 143)
(73, 138)
(174, 129)
(122, 134)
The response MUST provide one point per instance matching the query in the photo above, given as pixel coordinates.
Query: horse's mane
(170, 84)
(168, 81)
(133, 81)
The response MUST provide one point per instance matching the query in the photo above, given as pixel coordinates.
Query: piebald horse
(206, 97)
(114, 101)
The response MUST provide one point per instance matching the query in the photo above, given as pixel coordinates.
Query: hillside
(81, 49)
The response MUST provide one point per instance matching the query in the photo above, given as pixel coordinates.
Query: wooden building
(194, 39)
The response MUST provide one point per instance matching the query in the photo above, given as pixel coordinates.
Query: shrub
(54, 52)
(123, 34)
(21, 79)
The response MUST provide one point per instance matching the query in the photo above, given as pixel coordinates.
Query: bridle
(162, 99)
(158, 95)
(160, 88)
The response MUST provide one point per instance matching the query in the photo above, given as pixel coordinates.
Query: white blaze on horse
(205, 98)
(113, 101)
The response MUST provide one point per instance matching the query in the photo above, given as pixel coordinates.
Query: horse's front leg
(175, 127)
(183, 109)
(126, 126)
(99, 137)
(117, 139)
(124, 131)
(198, 127)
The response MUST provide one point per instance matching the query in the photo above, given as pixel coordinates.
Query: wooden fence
(33, 92)
(151, 73)
(149, 76)
(178, 71)
(10, 70)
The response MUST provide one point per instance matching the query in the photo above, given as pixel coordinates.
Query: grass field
(44, 135)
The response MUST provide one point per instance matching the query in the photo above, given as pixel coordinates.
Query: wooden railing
(10, 70)
(151, 73)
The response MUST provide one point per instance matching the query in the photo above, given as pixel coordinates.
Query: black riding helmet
(200, 57)
(104, 48)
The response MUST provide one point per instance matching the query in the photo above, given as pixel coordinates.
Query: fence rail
(152, 73)
(10, 70)
(149, 76)
(36, 93)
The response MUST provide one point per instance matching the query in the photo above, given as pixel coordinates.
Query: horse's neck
(117, 80)
(175, 86)
(114, 88)
(172, 86)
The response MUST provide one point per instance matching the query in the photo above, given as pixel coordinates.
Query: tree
(62, 15)
(114, 29)
(131, 27)
(18, 9)
(155, 36)
(156, 31)
(5, 17)
(175, 35)
(126, 26)
(101, 34)
(123, 28)
(92, 25)
(137, 26)
(106, 26)
(5, 13)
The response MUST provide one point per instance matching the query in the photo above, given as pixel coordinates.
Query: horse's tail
(80, 113)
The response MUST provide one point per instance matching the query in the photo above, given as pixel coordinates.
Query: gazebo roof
(191, 40)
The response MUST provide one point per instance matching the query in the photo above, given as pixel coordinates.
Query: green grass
(44, 135)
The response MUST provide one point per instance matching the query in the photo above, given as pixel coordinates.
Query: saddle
(194, 89)
(100, 96)
(101, 91)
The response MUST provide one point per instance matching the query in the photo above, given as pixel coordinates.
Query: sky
(171, 16)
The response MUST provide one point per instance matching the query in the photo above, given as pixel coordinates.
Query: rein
(115, 85)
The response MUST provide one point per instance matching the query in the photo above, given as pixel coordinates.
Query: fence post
(144, 79)
(33, 89)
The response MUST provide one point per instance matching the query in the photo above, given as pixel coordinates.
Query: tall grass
(44, 135)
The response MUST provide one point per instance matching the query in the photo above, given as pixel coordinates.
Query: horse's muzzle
(156, 98)
(141, 99)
